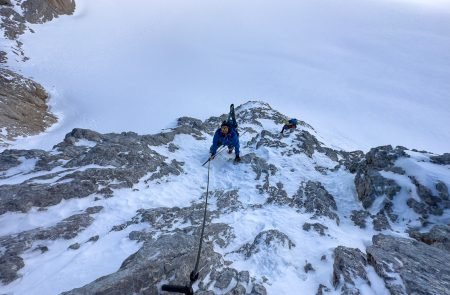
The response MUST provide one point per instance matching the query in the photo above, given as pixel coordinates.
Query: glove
(237, 159)
(212, 156)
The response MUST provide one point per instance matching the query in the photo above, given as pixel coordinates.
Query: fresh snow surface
(363, 73)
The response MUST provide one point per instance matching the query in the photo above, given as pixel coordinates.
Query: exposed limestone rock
(384, 157)
(439, 237)
(75, 246)
(23, 106)
(244, 277)
(258, 290)
(258, 110)
(352, 160)
(322, 289)
(309, 143)
(370, 185)
(13, 24)
(320, 228)
(224, 277)
(22, 197)
(443, 191)
(228, 201)
(3, 57)
(269, 140)
(124, 159)
(349, 265)
(16, 244)
(410, 267)
(238, 290)
(270, 239)
(38, 11)
(259, 165)
(359, 217)
(443, 159)
(308, 267)
(170, 257)
(380, 221)
(431, 204)
(316, 199)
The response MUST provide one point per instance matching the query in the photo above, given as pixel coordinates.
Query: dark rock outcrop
(39, 11)
(359, 217)
(320, 228)
(370, 185)
(349, 266)
(270, 239)
(410, 267)
(170, 257)
(443, 159)
(316, 199)
(439, 237)
(23, 106)
(380, 222)
(120, 160)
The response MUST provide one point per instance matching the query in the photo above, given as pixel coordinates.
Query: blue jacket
(230, 139)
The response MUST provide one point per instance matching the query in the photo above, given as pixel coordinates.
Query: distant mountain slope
(121, 214)
(23, 102)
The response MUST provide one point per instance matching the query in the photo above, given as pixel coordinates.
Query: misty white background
(363, 73)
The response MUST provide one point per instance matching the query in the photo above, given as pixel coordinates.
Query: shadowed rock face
(349, 265)
(39, 11)
(410, 267)
(369, 183)
(439, 237)
(23, 105)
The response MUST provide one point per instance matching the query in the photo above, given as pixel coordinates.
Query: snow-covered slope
(364, 73)
(294, 217)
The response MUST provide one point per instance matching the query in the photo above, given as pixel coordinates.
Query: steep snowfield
(280, 269)
(364, 73)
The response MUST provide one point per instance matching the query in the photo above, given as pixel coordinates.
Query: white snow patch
(85, 142)
(25, 166)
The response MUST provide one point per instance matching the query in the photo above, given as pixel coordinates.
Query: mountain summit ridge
(295, 213)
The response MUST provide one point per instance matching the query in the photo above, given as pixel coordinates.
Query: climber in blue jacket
(225, 135)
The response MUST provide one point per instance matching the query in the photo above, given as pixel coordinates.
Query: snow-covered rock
(126, 211)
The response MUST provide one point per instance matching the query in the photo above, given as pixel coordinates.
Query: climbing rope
(195, 271)
(194, 274)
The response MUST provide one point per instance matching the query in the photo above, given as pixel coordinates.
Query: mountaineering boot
(230, 150)
(237, 159)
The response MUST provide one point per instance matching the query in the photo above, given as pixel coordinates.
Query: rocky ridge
(98, 167)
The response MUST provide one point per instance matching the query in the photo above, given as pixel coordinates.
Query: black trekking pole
(218, 152)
